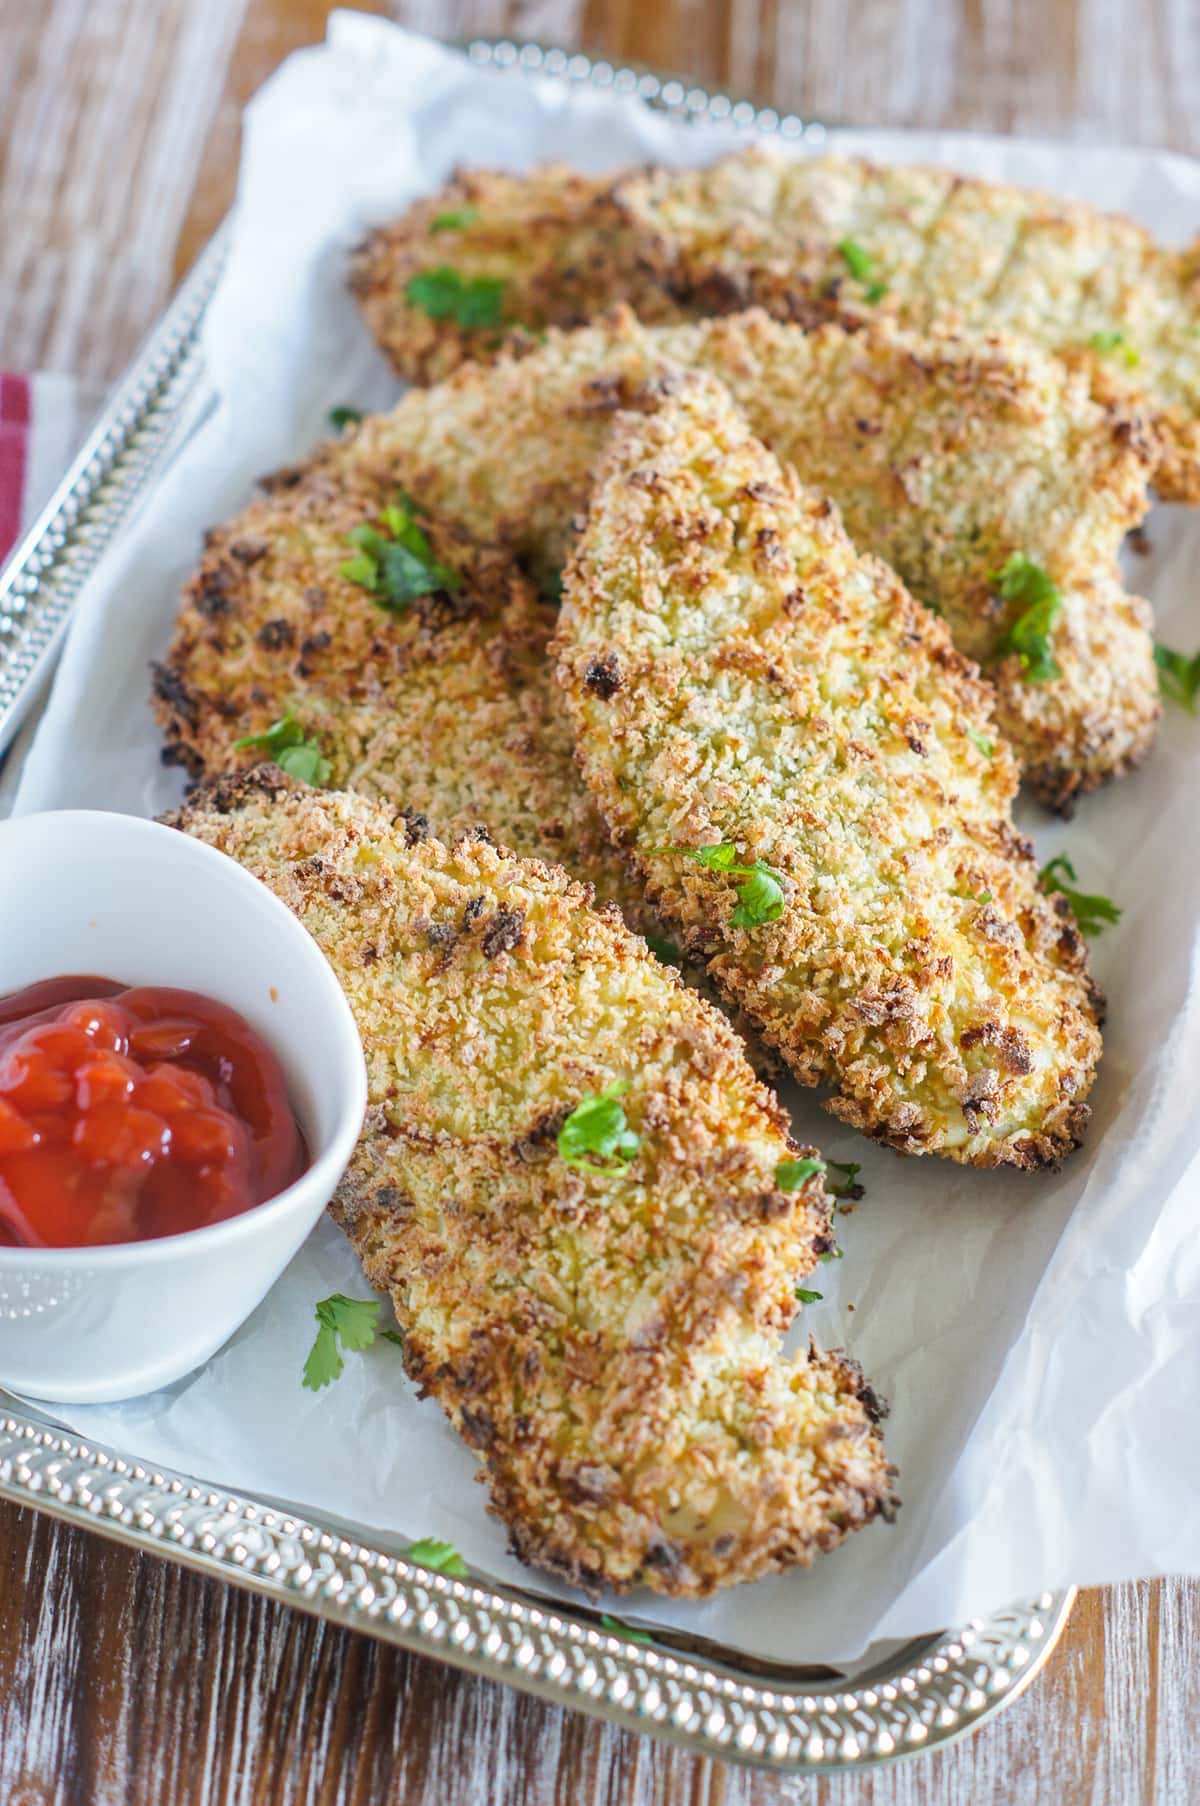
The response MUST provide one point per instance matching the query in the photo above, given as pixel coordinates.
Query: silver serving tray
(713, 1701)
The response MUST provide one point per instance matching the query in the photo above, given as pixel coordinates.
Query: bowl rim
(326, 1169)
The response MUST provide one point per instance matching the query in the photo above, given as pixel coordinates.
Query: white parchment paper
(1039, 1337)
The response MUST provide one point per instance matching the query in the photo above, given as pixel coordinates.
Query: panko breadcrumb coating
(607, 1343)
(445, 707)
(1089, 286)
(945, 455)
(813, 239)
(551, 240)
(738, 675)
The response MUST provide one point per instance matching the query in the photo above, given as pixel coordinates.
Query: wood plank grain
(123, 1680)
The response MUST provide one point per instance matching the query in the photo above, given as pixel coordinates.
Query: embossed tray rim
(922, 1697)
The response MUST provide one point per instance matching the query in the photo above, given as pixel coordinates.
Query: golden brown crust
(552, 238)
(756, 228)
(608, 1345)
(947, 250)
(446, 708)
(945, 456)
(767, 687)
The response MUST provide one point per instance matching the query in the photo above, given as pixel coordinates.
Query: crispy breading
(552, 237)
(1090, 286)
(738, 674)
(760, 227)
(606, 1342)
(447, 707)
(945, 455)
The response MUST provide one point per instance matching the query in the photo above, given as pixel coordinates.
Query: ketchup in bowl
(128, 1114)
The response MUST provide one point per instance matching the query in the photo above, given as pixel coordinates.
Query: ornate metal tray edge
(955, 1682)
(962, 1679)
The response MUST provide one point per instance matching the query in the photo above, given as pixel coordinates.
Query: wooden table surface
(127, 1680)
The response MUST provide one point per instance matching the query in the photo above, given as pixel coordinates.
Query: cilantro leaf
(454, 219)
(442, 1557)
(759, 888)
(286, 742)
(760, 898)
(1020, 580)
(596, 1135)
(807, 1297)
(848, 1189)
(834, 1253)
(664, 950)
(1178, 676)
(352, 1322)
(791, 1174)
(1105, 342)
(1092, 914)
(340, 418)
(981, 742)
(471, 302)
(860, 265)
(617, 1629)
(395, 561)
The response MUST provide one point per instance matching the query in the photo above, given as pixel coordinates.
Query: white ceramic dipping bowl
(115, 897)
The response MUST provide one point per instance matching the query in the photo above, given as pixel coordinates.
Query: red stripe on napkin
(14, 443)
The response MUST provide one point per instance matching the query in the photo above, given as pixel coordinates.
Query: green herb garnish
(291, 749)
(615, 1626)
(860, 266)
(394, 560)
(807, 1297)
(759, 889)
(1092, 914)
(848, 1189)
(454, 219)
(981, 742)
(1020, 580)
(471, 302)
(791, 1174)
(340, 418)
(443, 1558)
(352, 1322)
(596, 1135)
(664, 950)
(1178, 676)
(834, 1253)
(1106, 342)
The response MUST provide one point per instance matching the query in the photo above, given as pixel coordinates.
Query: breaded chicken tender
(740, 678)
(812, 239)
(947, 456)
(605, 1339)
(443, 705)
(801, 235)
(536, 250)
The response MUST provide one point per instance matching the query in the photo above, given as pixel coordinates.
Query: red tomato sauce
(132, 1113)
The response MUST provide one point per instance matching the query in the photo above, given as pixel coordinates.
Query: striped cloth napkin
(43, 419)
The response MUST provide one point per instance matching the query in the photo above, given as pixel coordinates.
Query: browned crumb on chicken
(768, 689)
(929, 247)
(946, 455)
(606, 1341)
(494, 258)
(442, 704)
(812, 239)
